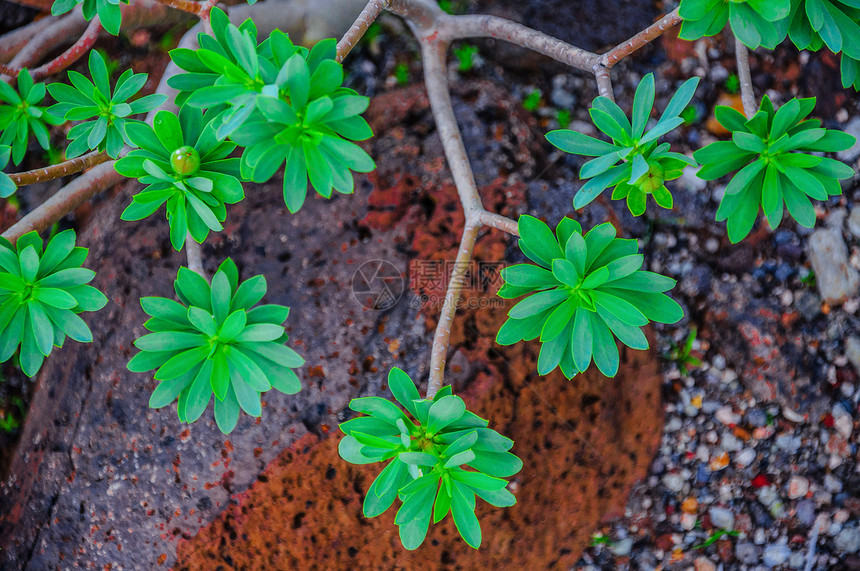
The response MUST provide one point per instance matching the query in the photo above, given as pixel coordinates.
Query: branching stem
(65, 168)
(66, 200)
(65, 59)
(359, 28)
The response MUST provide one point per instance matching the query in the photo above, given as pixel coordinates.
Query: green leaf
(463, 512)
(378, 408)
(575, 142)
(199, 393)
(445, 411)
(403, 389)
(377, 500)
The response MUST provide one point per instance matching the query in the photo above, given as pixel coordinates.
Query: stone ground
(757, 466)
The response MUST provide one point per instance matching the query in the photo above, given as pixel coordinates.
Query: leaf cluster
(107, 10)
(755, 22)
(585, 291)
(214, 341)
(440, 458)
(810, 24)
(646, 164)
(41, 293)
(107, 110)
(776, 156)
(834, 23)
(288, 101)
(184, 165)
(22, 116)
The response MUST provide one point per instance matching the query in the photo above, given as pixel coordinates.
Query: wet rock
(836, 279)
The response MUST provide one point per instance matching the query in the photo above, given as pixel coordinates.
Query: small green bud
(185, 160)
(651, 180)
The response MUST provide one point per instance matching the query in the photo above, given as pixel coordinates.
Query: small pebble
(704, 564)
(776, 555)
(622, 548)
(725, 415)
(745, 457)
(805, 512)
(747, 553)
(674, 482)
(722, 518)
(798, 486)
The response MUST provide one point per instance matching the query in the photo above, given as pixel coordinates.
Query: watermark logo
(377, 285)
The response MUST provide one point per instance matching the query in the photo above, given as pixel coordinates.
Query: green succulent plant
(110, 113)
(42, 291)
(108, 11)
(834, 23)
(465, 55)
(647, 163)
(288, 101)
(308, 128)
(228, 66)
(440, 457)
(585, 291)
(23, 116)
(755, 22)
(772, 153)
(214, 341)
(183, 164)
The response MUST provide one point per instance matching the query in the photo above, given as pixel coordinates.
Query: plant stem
(439, 351)
(195, 255)
(747, 93)
(65, 200)
(359, 28)
(15, 41)
(68, 167)
(65, 59)
(460, 27)
(640, 40)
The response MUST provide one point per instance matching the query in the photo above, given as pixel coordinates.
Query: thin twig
(499, 222)
(439, 351)
(71, 55)
(359, 28)
(66, 200)
(436, 80)
(604, 81)
(62, 61)
(459, 27)
(68, 167)
(747, 93)
(195, 255)
(640, 40)
(59, 33)
(14, 41)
